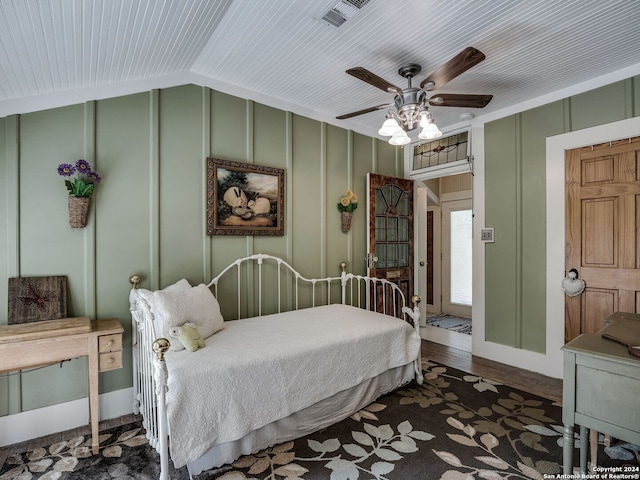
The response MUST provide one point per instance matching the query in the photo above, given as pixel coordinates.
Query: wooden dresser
(41, 343)
(601, 387)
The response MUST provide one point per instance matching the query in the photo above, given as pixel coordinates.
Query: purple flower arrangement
(84, 183)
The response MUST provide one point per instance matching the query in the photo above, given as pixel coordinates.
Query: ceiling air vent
(342, 11)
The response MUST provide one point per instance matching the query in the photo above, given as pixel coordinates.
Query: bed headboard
(273, 278)
(261, 284)
(271, 285)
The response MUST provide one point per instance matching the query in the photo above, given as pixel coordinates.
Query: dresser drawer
(110, 343)
(110, 361)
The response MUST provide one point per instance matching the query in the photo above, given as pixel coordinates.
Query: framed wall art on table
(33, 299)
(244, 199)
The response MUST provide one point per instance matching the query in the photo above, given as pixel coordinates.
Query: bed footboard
(160, 347)
(383, 296)
(414, 314)
(144, 386)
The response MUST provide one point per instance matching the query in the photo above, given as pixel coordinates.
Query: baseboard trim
(461, 341)
(36, 423)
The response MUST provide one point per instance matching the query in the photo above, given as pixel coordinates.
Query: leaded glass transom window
(441, 151)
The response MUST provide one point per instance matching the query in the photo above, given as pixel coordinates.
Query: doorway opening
(445, 259)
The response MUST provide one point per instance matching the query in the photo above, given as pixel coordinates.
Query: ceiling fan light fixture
(425, 118)
(412, 103)
(400, 138)
(397, 126)
(389, 127)
(430, 132)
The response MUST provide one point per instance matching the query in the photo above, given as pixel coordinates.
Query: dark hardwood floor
(528, 381)
(537, 384)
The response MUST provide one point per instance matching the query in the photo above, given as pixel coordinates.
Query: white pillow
(196, 305)
(181, 285)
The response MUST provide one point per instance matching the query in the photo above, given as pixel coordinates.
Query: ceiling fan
(411, 103)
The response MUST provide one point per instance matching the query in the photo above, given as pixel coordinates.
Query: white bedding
(259, 370)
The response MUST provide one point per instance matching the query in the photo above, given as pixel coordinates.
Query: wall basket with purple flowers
(80, 189)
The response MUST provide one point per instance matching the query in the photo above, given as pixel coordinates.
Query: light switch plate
(486, 234)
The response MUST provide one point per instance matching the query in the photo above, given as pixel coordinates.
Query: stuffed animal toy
(189, 336)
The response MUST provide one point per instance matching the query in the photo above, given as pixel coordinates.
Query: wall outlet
(486, 234)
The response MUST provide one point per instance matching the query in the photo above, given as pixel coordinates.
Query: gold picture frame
(244, 199)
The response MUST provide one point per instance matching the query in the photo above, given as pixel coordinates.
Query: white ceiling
(280, 52)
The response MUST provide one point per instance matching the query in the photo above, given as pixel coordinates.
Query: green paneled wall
(604, 105)
(8, 264)
(515, 192)
(148, 214)
(501, 256)
(43, 199)
(181, 189)
(545, 121)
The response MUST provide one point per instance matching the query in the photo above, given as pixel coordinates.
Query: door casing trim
(555, 175)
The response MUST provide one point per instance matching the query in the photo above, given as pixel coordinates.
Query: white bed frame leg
(415, 316)
(344, 278)
(160, 347)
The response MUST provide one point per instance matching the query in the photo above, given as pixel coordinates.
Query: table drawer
(110, 361)
(110, 343)
(608, 396)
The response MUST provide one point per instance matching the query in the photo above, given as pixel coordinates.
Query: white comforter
(262, 369)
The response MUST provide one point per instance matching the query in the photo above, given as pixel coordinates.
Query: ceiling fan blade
(459, 64)
(366, 110)
(460, 100)
(373, 79)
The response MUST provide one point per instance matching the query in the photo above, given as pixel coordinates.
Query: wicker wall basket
(78, 211)
(346, 221)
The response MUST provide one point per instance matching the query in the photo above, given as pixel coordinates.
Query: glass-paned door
(390, 243)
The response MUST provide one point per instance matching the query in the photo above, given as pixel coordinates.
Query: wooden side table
(21, 346)
(600, 387)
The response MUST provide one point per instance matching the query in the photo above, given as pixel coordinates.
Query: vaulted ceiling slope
(285, 54)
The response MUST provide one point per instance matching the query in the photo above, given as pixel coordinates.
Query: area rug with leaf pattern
(454, 426)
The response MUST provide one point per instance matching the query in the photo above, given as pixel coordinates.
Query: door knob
(572, 285)
(422, 264)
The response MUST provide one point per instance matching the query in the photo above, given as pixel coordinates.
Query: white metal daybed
(271, 378)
